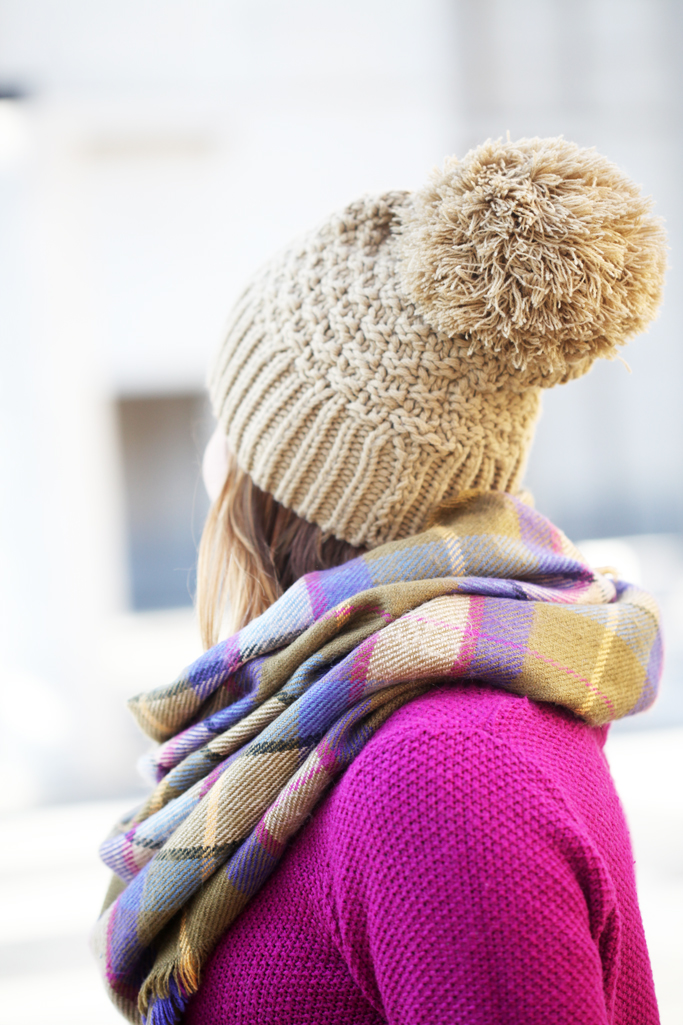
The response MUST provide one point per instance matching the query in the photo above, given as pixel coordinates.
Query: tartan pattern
(255, 730)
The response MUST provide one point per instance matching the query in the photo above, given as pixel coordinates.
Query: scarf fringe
(163, 999)
(168, 1010)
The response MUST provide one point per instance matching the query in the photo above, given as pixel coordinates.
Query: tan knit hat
(395, 356)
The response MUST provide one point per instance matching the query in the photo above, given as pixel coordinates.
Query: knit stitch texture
(394, 357)
(258, 727)
(472, 867)
(346, 407)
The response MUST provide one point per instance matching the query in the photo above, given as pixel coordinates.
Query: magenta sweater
(472, 866)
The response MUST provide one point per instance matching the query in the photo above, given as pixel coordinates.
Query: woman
(402, 624)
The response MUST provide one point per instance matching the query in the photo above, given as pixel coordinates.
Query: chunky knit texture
(472, 867)
(344, 405)
(394, 357)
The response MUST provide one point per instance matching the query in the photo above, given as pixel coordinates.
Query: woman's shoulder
(465, 705)
(478, 827)
(490, 748)
(540, 734)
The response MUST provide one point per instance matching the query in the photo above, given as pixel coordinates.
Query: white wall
(607, 73)
(168, 149)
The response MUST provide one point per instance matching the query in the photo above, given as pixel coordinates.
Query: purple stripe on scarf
(536, 531)
(503, 635)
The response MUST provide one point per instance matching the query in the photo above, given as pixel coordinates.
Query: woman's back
(473, 865)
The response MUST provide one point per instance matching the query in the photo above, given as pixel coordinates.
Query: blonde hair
(252, 549)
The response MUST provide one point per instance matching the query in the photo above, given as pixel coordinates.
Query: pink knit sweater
(472, 866)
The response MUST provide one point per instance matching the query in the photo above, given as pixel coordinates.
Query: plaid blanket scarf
(253, 732)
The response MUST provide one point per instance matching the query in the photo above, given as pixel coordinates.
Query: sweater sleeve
(462, 890)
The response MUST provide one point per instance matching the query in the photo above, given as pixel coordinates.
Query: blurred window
(162, 439)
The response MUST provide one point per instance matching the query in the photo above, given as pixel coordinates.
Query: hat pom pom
(539, 254)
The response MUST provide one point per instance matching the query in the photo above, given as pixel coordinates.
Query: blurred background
(152, 154)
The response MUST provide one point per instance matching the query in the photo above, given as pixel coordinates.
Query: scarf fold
(252, 733)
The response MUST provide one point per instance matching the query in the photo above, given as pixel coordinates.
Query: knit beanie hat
(395, 356)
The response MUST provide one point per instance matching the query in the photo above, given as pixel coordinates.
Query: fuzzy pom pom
(540, 253)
